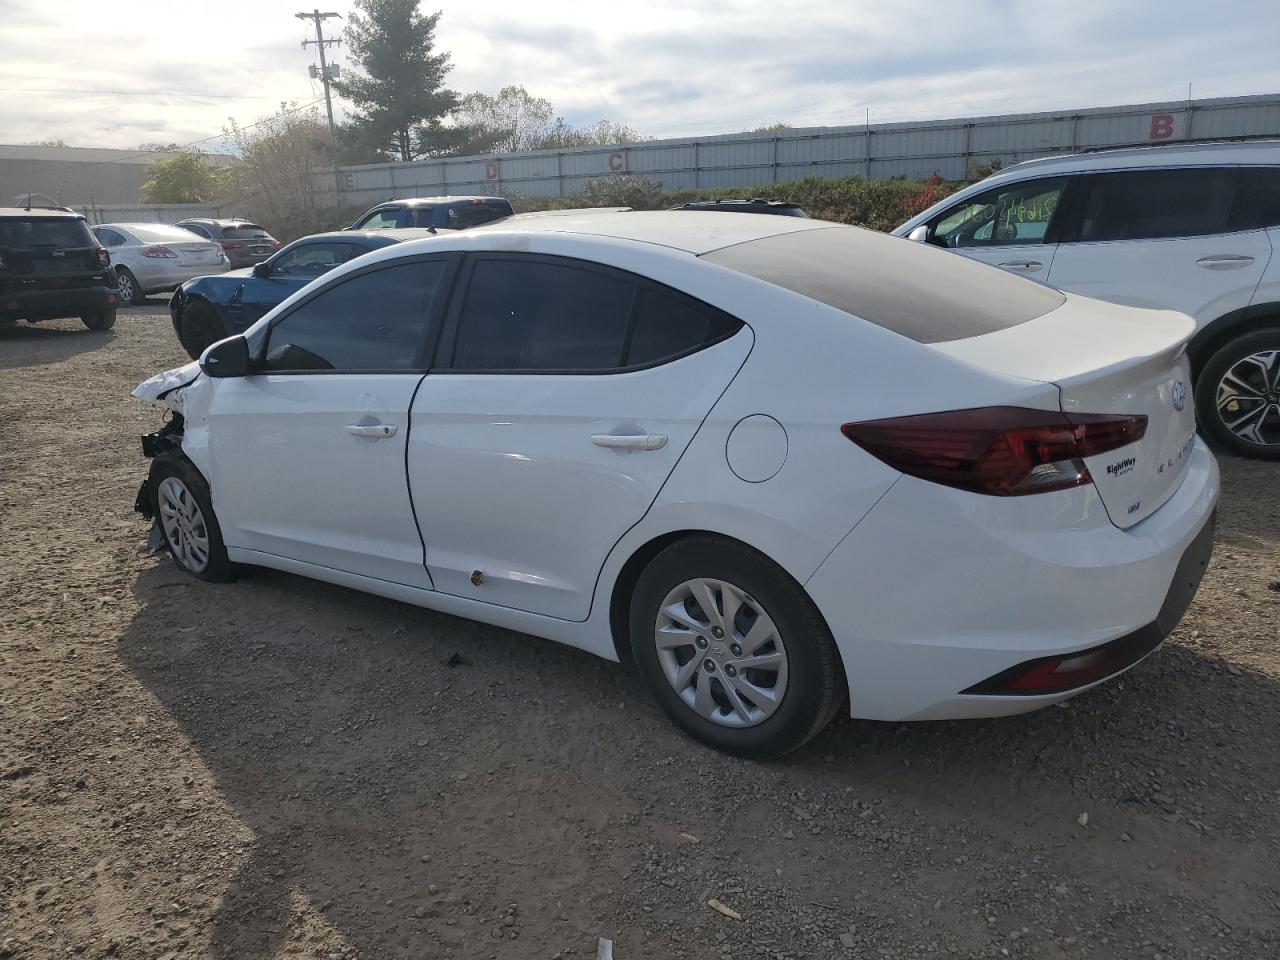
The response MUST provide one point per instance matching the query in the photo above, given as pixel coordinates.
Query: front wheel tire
(1238, 395)
(180, 499)
(127, 285)
(733, 648)
(199, 327)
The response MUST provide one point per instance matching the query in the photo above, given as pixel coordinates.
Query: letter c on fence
(491, 170)
(617, 162)
(1161, 126)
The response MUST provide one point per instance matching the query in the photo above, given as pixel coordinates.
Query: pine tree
(400, 81)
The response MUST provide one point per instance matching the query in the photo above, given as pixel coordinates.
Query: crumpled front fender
(163, 390)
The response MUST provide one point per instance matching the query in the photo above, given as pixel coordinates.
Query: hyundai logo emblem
(1179, 395)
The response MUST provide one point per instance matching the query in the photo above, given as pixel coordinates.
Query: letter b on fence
(1161, 126)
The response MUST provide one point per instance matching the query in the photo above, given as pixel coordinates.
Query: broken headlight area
(167, 438)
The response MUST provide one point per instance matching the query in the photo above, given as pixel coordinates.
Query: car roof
(40, 212)
(1166, 155)
(394, 235)
(429, 201)
(667, 228)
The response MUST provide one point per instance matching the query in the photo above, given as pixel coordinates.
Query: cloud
(156, 71)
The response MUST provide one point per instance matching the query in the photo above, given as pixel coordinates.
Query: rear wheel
(99, 319)
(1238, 395)
(127, 284)
(733, 648)
(199, 327)
(185, 512)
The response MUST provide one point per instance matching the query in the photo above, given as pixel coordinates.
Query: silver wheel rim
(1249, 398)
(721, 653)
(183, 524)
(127, 292)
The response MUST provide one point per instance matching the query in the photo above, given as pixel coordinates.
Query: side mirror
(920, 234)
(261, 269)
(226, 358)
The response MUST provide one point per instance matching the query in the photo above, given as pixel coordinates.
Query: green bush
(878, 204)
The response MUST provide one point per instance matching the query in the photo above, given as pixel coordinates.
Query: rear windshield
(472, 213)
(162, 233)
(913, 289)
(35, 232)
(244, 231)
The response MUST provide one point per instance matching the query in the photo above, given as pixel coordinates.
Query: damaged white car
(789, 467)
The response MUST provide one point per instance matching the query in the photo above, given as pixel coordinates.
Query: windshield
(914, 290)
(45, 232)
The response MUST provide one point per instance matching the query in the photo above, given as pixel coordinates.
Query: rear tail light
(162, 252)
(104, 258)
(232, 244)
(999, 451)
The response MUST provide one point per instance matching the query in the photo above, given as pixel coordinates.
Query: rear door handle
(637, 441)
(1027, 266)
(376, 430)
(1224, 263)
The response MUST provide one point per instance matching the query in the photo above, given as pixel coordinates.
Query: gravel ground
(280, 768)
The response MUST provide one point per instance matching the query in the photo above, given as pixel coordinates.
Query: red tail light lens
(999, 451)
(162, 252)
(104, 258)
(232, 244)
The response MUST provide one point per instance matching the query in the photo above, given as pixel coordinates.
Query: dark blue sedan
(207, 309)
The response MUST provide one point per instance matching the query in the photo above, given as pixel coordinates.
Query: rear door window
(382, 220)
(475, 212)
(668, 324)
(1257, 198)
(197, 230)
(1152, 204)
(336, 331)
(1010, 215)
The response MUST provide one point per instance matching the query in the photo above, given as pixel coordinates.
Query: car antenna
(28, 203)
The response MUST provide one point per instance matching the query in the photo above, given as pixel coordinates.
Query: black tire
(127, 285)
(815, 684)
(198, 327)
(100, 320)
(1213, 419)
(217, 568)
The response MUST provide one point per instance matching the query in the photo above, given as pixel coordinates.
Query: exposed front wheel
(733, 648)
(1238, 395)
(199, 327)
(183, 509)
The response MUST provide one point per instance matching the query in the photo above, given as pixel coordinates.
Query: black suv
(781, 208)
(51, 266)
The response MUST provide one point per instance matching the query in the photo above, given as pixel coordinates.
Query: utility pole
(320, 43)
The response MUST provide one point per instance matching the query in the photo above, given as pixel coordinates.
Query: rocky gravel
(278, 768)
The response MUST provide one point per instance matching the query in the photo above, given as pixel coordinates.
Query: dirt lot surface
(279, 768)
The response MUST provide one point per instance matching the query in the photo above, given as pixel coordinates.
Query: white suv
(1191, 227)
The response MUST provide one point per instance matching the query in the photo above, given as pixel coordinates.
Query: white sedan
(155, 257)
(787, 466)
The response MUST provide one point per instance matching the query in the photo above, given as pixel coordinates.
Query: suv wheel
(199, 327)
(127, 284)
(733, 648)
(1238, 395)
(100, 320)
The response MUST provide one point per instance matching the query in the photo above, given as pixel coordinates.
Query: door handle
(1224, 262)
(376, 430)
(637, 441)
(1029, 266)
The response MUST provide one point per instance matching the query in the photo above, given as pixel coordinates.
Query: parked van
(1192, 227)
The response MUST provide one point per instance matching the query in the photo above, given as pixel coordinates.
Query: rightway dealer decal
(1121, 468)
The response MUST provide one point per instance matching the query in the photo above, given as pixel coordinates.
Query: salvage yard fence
(953, 149)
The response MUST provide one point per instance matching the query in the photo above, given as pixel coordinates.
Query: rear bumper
(43, 304)
(937, 592)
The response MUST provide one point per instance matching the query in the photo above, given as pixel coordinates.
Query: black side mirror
(227, 358)
(261, 269)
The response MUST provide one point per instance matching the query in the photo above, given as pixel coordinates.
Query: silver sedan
(153, 257)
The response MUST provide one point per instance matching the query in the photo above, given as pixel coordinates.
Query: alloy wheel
(124, 283)
(721, 653)
(1248, 398)
(183, 524)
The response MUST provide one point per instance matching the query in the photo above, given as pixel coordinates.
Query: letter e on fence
(1161, 126)
(491, 170)
(617, 162)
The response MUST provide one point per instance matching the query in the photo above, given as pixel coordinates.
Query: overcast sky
(136, 71)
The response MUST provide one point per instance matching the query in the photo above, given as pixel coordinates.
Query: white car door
(562, 396)
(307, 453)
(1010, 226)
(1162, 238)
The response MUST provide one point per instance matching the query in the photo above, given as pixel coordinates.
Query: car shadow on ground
(410, 801)
(25, 345)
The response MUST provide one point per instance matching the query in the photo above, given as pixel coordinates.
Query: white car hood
(160, 390)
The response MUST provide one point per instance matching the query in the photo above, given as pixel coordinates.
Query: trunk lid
(1106, 358)
(197, 254)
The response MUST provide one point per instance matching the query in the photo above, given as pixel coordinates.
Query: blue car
(208, 309)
